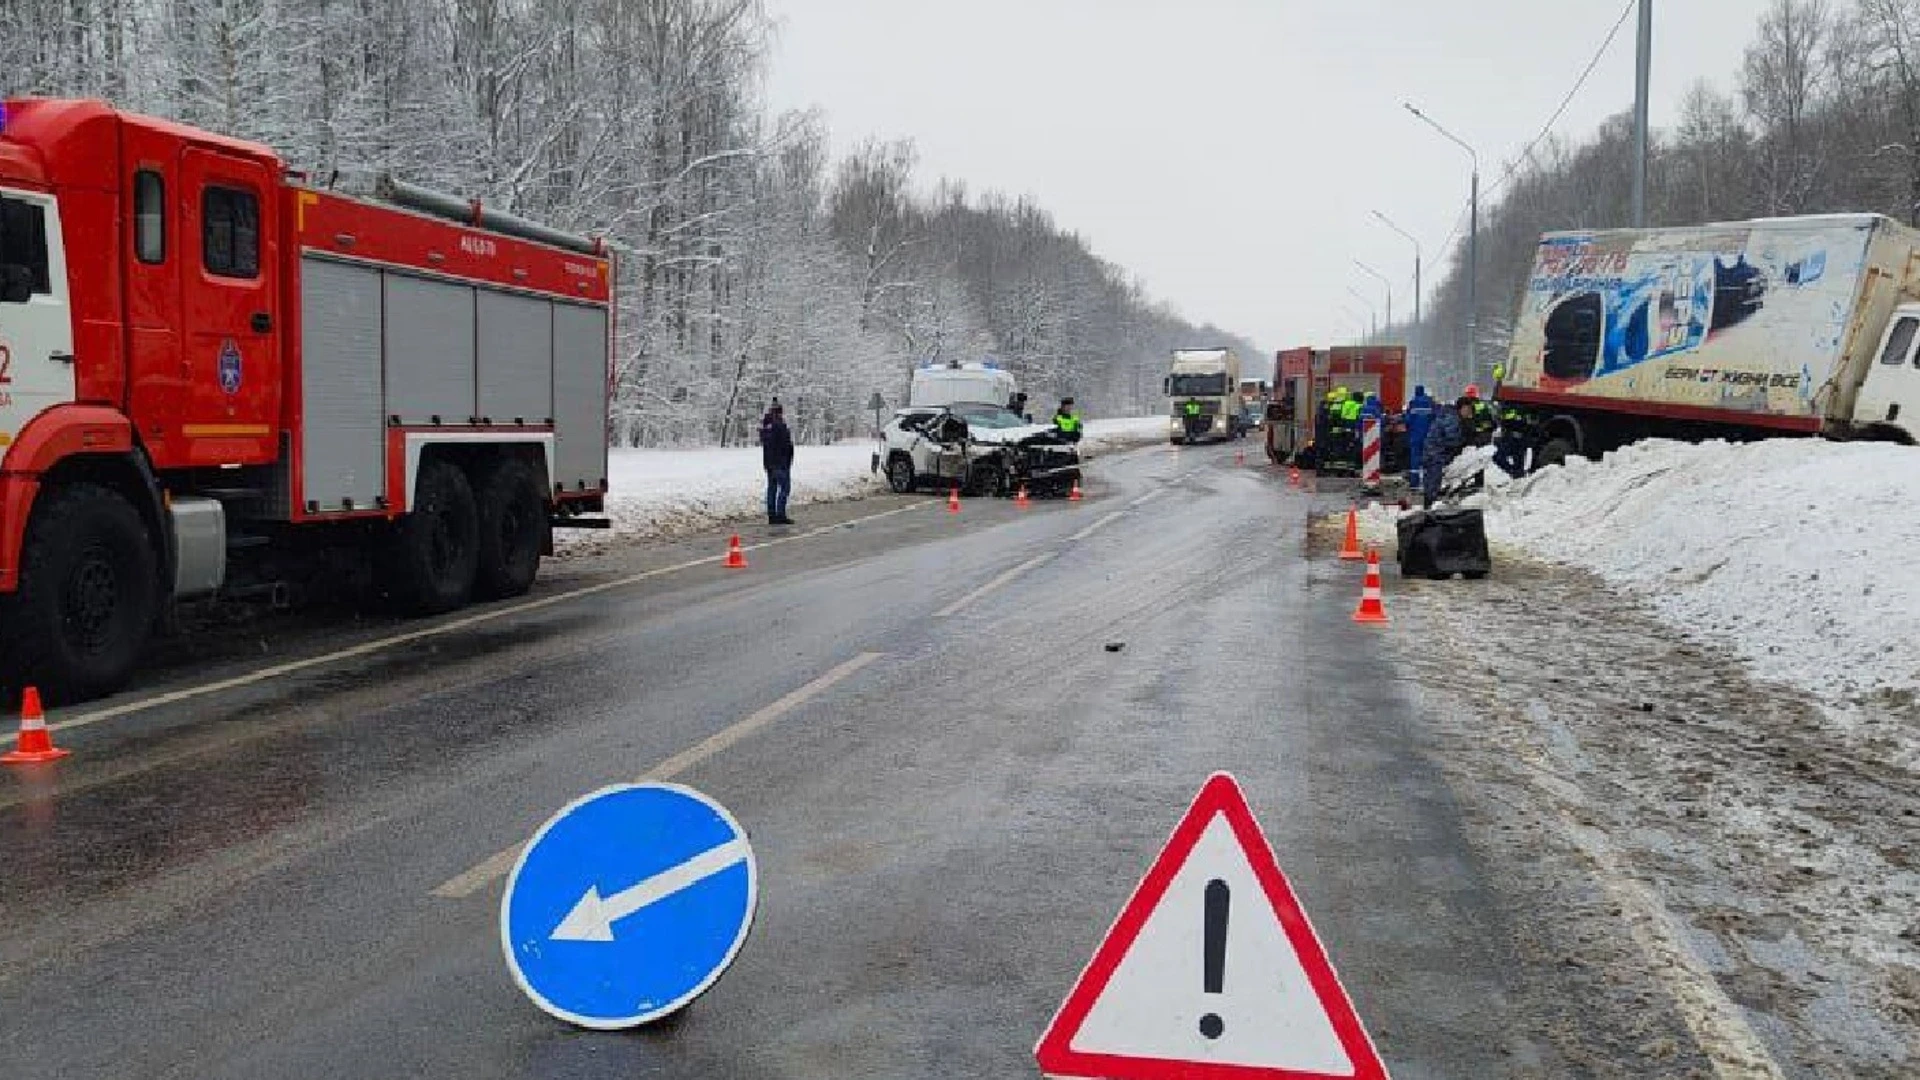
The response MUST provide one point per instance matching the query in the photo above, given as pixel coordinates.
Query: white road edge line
(1096, 526)
(368, 647)
(996, 583)
(1734, 1050)
(1147, 498)
(496, 866)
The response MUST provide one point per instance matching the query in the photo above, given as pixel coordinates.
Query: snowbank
(663, 492)
(1794, 552)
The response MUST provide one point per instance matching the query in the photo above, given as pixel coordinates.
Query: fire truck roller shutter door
(579, 396)
(516, 358)
(343, 434)
(429, 351)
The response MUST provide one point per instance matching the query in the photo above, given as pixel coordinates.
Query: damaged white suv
(981, 449)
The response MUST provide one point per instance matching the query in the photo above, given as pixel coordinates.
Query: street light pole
(1643, 79)
(1419, 336)
(1383, 281)
(1473, 240)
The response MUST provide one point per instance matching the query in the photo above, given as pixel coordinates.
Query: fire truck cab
(212, 375)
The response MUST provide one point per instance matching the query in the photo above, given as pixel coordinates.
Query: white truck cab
(1892, 384)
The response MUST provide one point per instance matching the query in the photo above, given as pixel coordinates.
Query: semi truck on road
(1210, 380)
(1803, 325)
(213, 377)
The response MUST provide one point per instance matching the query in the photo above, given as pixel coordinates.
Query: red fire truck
(211, 373)
(1303, 376)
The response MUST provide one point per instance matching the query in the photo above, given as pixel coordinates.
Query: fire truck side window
(23, 240)
(231, 241)
(149, 217)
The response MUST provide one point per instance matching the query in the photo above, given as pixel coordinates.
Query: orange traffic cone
(1350, 547)
(1074, 495)
(35, 744)
(1020, 500)
(1371, 610)
(1239, 457)
(1293, 476)
(953, 501)
(736, 558)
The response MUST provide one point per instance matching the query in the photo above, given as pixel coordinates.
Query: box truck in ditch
(1782, 326)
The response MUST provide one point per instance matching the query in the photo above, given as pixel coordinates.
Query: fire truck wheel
(435, 551)
(513, 529)
(87, 598)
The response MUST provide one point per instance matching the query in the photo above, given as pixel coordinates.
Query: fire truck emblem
(229, 366)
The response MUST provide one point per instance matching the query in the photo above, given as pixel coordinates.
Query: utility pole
(1643, 78)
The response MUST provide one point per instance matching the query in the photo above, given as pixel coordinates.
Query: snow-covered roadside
(663, 492)
(1797, 554)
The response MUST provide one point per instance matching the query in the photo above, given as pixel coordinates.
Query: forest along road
(950, 782)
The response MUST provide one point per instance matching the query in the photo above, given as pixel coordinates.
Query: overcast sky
(1230, 151)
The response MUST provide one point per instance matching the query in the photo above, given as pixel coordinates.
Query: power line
(1513, 167)
(1598, 55)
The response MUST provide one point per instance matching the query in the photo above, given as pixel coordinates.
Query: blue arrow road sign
(628, 904)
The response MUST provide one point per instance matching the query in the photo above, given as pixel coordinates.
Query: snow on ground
(1798, 554)
(662, 492)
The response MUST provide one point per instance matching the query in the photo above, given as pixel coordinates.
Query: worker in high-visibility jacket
(1350, 410)
(1066, 421)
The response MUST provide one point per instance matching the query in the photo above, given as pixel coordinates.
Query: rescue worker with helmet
(1350, 409)
(1481, 422)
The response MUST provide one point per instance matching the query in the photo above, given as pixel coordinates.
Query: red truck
(1302, 377)
(211, 374)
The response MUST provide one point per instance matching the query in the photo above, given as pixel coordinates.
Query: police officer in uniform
(1066, 421)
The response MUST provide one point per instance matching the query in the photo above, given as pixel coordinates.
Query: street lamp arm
(1456, 140)
(1409, 237)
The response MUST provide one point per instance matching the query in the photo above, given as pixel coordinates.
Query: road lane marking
(365, 648)
(1733, 1049)
(497, 865)
(1096, 526)
(1147, 498)
(990, 586)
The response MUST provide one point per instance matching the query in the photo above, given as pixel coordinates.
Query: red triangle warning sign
(1211, 972)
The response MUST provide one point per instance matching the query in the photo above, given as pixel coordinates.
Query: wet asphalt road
(289, 877)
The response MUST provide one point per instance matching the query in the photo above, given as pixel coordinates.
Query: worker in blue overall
(1419, 419)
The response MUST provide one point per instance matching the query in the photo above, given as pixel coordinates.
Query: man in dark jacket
(1444, 439)
(776, 455)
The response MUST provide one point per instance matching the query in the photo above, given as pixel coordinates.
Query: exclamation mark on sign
(1215, 976)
